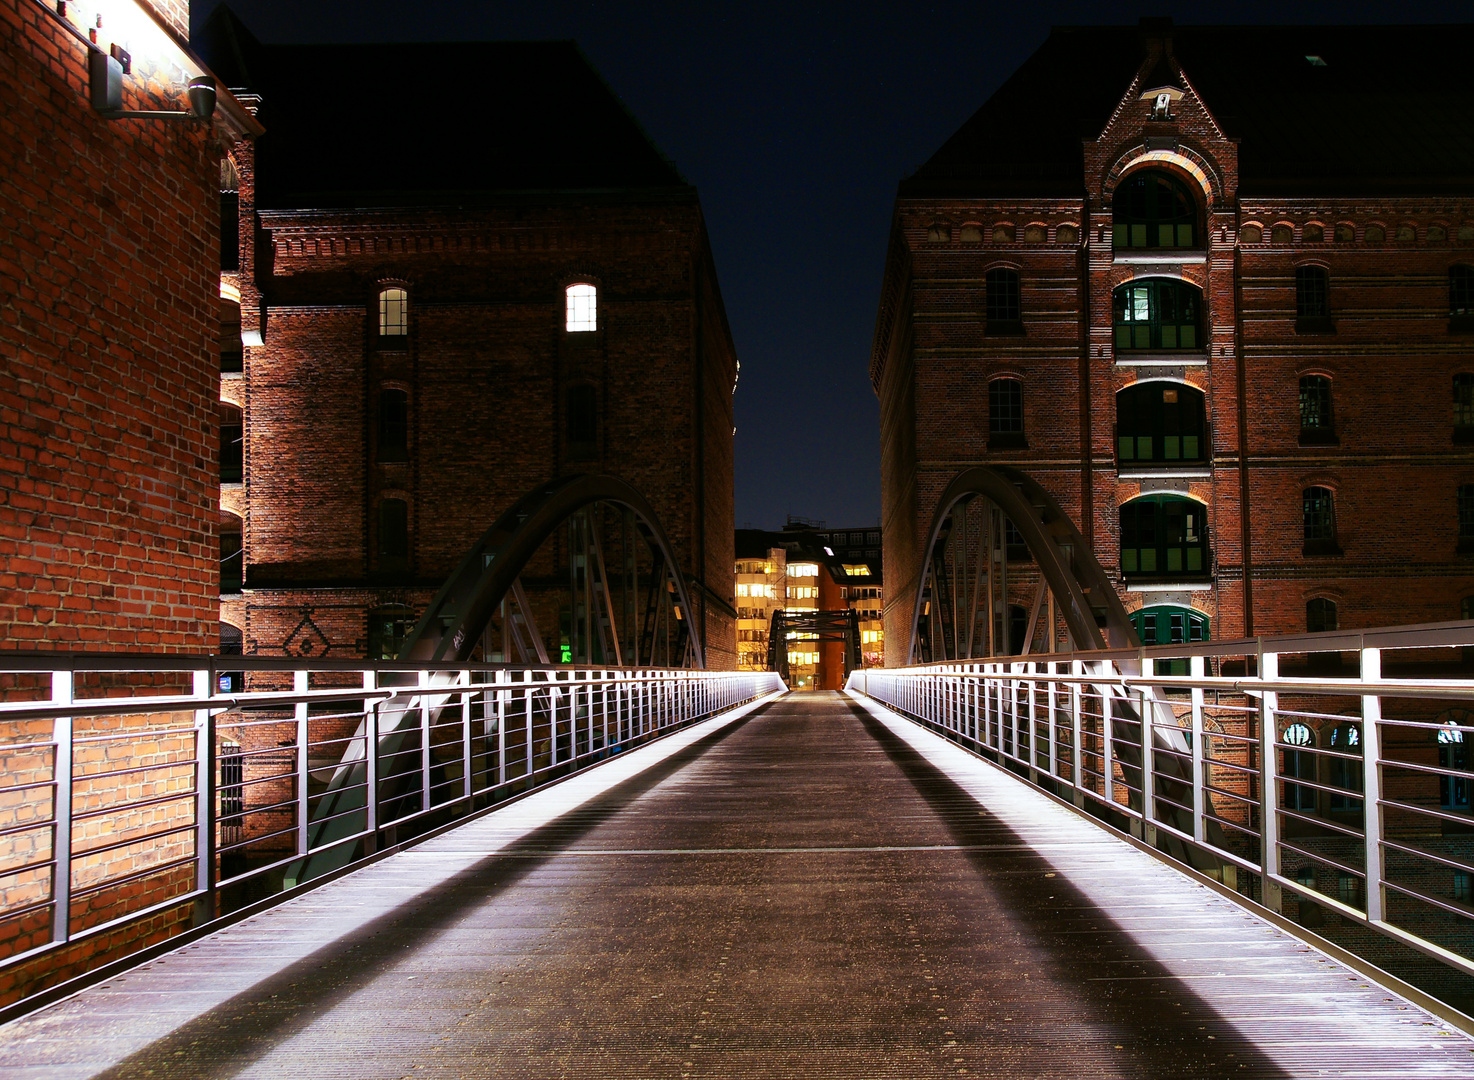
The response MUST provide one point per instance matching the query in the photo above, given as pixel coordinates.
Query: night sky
(795, 122)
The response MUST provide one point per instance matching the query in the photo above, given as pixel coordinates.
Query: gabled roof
(414, 124)
(1391, 110)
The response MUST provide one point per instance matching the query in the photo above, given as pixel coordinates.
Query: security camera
(202, 96)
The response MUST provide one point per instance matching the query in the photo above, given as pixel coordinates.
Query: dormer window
(582, 308)
(393, 313)
(1154, 210)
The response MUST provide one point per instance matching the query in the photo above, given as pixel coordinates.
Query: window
(1160, 424)
(1067, 234)
(393, 531)
(1320, 616)
(1463, 891)
(1251, 234)
(1343, 772)
(1345, 233)
(1312, 304)
(1310, 914)
(1005, 413)
(232, 559)
(1461, 297)
(1464, 407)
(1016, 547)
(1376, 234)
(1453, 754)
(1319, 522)
(232, 643)
(582, 308)
(388, 630)
(937, 234)
(393, 313)
(1282, 234)
(1003, 302)
(393, 425)
(1164, 536)
(582, 421)
(1313, 233)
(1316, 424)
(232, 449)
(1154, 210)
(1465, 504)
(1348, 890)
(799, 569)
(1167, 624)
(1298, 764)
(1157, 313)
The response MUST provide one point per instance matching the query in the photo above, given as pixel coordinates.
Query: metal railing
(145, 795)
(1326, 776)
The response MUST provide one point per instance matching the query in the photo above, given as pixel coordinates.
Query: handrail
(1184, 762)
(198, 802)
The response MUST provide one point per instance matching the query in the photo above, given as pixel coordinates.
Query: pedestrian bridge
(802, 885)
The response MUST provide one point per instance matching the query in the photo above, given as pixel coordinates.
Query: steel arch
(1088, 600)
(470, 597)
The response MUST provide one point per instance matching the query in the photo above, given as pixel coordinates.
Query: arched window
(939, 233)
(1004, 312)
(1463, 407)
(1168, 624)
(232, 555)
(387, 630)
(232, 643)
(393, 533)
(1312, 300)
(1164, 536)
(1317, 424)
(1344, 773)
(1319, 521)
(582, 308)
(232, 445)
(582, 421)
(1158, 313)
(1160, 424)
(1453, 754)
(1005, 413)
(1298, 764)
(1154, 210)
(393, 425)
(1461, 297)
(1321, 616)
(393, 313)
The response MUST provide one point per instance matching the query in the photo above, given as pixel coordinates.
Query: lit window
(860, 570)
(582, 308)
(1154, 210)
(801, 569)
(1160, 424)
(393, 312)
(741, 590)
(1158, 313)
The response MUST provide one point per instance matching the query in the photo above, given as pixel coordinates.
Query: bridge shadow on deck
(1088, 1000)
(222, 1042)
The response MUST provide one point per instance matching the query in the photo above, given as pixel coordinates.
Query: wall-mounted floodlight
(105, 71)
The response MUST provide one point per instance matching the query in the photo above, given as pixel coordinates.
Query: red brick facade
(485, 369)
(109, 266)
(1389, 347)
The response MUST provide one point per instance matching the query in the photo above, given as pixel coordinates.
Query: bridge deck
(809, 891)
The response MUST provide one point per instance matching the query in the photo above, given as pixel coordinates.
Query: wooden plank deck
(814, 889)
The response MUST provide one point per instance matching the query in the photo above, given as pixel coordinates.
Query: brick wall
(110, 268)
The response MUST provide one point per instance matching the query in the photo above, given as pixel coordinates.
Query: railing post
(1077, 758)
(299, 686)
(1051, 710)
(205, 818)
(62, 690)
(466, 696)
(1269, 823)
(371, 766)
(424, 741)
(1371, 768)
(1148, 714)
(1200, 803)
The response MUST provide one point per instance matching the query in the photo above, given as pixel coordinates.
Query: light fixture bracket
(105, 71)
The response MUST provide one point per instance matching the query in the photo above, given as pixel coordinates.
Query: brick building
(107, 376)
(446, 300)
(1212, 287)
